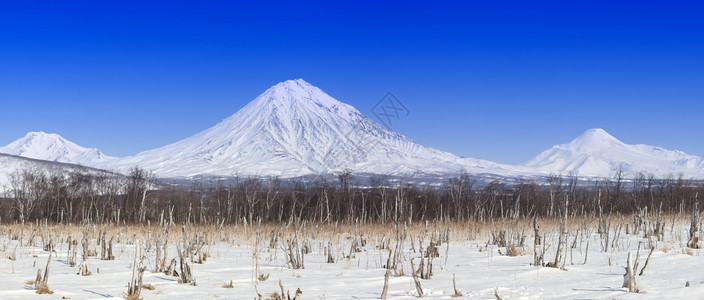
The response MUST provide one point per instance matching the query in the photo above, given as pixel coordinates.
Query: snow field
(482, 268)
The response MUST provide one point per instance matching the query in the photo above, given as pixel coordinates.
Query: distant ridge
(12, 163)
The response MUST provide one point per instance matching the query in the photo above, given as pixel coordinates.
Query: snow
(597, 153)
(53, 147)
(479, 268)
(296, 129)
(10, 164)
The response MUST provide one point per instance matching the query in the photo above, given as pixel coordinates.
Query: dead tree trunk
(83, 268)
(416, 281)
(171, 270)
(103, 247)
(536, 241)
(629, 279)
(185, 274)
(41, 282)
(71, 253)
(454, 286)
(693, 241)
(562, 240)
(646, 261)
(110, 256)
(386, 285)
(134, 288)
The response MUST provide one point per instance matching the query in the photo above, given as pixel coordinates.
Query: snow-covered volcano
(597, 153)
(53, 147)
(295, 129)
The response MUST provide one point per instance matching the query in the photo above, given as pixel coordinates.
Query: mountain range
(598, 154)
(296, 129)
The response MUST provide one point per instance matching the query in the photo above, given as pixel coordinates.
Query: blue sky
(498, 80)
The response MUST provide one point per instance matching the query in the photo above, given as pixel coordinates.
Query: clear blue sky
(496, 80)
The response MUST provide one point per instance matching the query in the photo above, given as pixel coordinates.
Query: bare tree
(252, 188)
(458, 188)
(28, 188)
(138, 182)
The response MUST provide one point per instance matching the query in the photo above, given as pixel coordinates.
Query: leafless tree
(28, 188)
(458, 189)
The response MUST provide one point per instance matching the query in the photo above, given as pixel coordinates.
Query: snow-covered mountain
(53, 147)
(295, 129)
(597, 153)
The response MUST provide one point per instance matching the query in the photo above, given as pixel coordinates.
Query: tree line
(33, 195)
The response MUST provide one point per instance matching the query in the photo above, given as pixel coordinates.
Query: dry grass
(235, 234)
(133, 297)
(29, 282)
(466, 230)
(228, 285)
(148, 286)
(512, 250)
(180, 281)
(44, 290)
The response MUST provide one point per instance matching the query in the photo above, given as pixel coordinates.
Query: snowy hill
(11, 163)
(597, 153)
(53, 147)
(295, 129)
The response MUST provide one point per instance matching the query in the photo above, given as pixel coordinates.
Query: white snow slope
(10, 164)
(53, 147)
(295, 129)
(597, 153)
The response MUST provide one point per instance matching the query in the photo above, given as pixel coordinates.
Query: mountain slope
(53, 147)
(294, 129)
(10, 164)
(597, 153)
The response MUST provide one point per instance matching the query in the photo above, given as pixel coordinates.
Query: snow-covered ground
(480, 269)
